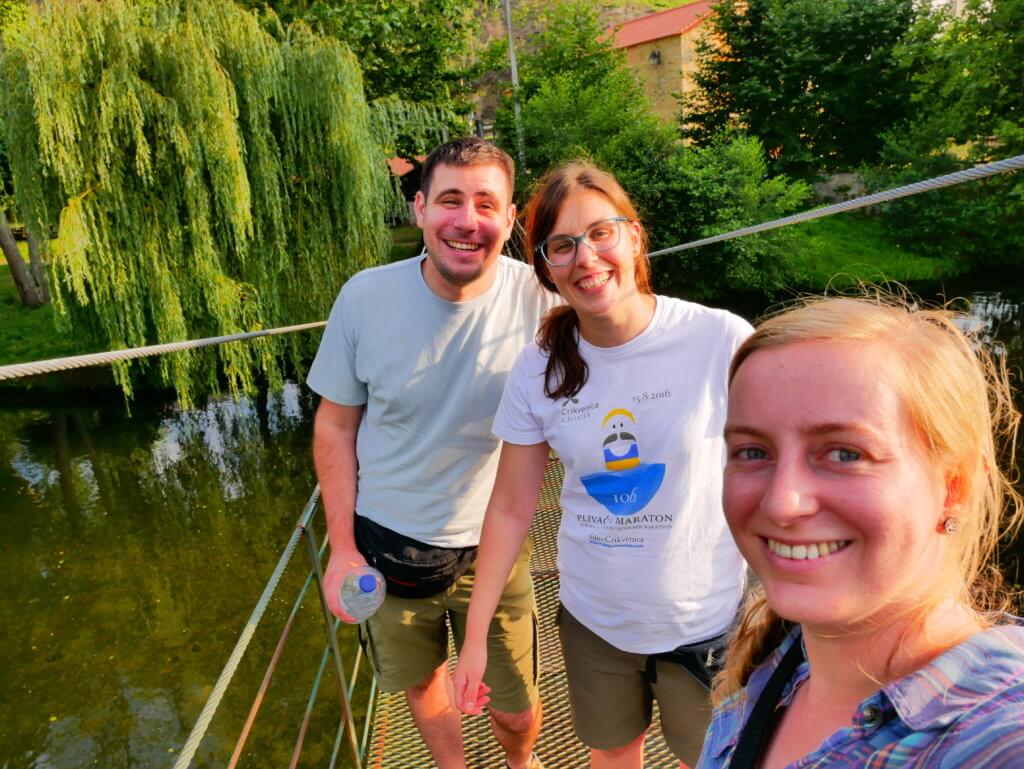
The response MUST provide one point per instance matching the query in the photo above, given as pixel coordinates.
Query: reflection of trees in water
(106, 466)
(997, 320)
(134, 549)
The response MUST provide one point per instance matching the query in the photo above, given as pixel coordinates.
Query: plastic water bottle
(362, 592)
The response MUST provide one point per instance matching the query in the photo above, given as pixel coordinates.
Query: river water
(135, 547)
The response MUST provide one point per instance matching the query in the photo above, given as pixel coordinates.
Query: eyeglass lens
(601, 236)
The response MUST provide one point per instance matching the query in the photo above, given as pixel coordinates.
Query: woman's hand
(506, 526)
(471, 693)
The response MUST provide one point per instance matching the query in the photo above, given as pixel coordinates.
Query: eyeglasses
(561, 250)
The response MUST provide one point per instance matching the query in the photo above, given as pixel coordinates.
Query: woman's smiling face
(829, 491)
(596, 283)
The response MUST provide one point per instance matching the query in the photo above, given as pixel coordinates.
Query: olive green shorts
(406, 639)
(611, 696)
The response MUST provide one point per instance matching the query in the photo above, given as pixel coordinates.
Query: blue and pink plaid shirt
(965, 709)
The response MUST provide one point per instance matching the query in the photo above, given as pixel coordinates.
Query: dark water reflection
(134, 549)
(998, 319)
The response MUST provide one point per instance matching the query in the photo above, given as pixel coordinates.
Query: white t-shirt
(645, 557)
(430, 373)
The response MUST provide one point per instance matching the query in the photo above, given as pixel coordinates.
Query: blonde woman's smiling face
(829, 491)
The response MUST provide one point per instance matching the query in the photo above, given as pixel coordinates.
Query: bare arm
(506, 525)
(334, 454)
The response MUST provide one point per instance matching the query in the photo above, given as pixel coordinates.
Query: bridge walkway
(395, 743)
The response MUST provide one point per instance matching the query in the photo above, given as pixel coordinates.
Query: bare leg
(517, 733)
(437, 719)
(629, 756)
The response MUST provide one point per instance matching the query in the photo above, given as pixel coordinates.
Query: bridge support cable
(257, 702)
(18, 370)
(331, 651)
(1015, 163)
(213, 702)
(332, 640)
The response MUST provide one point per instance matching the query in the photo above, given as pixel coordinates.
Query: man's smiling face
(466, 217)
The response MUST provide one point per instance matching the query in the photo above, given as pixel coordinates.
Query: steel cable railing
(1014, 163)
(18, 370)
(347, 727)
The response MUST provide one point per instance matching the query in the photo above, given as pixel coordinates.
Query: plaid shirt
(964, 709)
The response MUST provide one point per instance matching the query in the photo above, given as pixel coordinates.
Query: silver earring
(949, 525)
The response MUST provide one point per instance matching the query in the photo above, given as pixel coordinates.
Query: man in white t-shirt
(411, 369)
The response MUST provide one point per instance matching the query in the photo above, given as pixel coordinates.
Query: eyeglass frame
(577, 239)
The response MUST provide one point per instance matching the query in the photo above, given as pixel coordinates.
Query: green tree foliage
(968, 108)
(414, 50)
(12, 12)
(969, 77)
(589, 104)
(414, 54)
(817, 81)
(206, 178)
(6, 183)
(29, 278)
(563, 39)
(566, 38)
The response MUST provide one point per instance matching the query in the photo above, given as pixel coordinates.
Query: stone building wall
(672, 76)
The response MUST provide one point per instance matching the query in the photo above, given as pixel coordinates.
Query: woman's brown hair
(959, 398)
(566, 371)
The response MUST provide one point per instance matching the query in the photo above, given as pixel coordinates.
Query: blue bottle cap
(367, 583)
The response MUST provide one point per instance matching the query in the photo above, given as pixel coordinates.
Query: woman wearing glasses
(630, 389)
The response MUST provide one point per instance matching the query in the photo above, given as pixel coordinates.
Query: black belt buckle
(702, 660)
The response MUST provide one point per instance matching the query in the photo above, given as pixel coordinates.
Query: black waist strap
(701, 660)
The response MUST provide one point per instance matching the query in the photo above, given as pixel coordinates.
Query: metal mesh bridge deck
(395, 742)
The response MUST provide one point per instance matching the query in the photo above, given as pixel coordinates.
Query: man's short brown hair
(468, 151)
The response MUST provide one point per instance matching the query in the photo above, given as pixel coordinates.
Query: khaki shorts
(612, 699)
(406, 640)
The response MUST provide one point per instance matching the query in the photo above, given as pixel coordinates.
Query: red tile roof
(399, 166)
(674, 21)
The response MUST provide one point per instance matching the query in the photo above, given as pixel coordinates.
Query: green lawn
(27, 335)
(843, 250)
(405, 242)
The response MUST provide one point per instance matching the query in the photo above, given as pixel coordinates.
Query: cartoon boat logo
(629, 484)
(620, 449)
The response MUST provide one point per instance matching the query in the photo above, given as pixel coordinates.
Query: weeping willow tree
(202, 177)
(397, 121)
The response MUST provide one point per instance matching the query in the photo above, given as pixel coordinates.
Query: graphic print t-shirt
(645, 557)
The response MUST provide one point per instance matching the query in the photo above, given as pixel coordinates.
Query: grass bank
(405, 242)
(27, 335)
(843, 250)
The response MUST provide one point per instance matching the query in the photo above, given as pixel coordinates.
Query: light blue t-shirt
(431, 373)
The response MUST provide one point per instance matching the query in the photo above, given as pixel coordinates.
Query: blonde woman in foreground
(863, 487)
